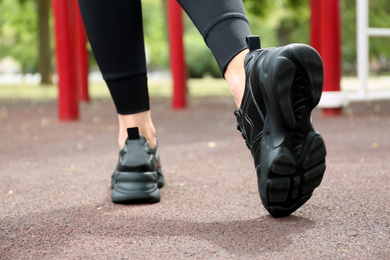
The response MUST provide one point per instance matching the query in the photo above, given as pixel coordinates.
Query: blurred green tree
(25, 35)
(283, 21)
(379, 12)
(18, 29)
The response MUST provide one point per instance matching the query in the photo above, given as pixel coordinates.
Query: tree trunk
(44, 60)
(283, 33)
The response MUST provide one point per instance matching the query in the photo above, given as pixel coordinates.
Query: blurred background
(27, 44)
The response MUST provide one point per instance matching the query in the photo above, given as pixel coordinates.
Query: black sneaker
(137, 176)
(283, 85)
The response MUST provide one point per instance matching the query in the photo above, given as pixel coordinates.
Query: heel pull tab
(253, 42)
(132, 133)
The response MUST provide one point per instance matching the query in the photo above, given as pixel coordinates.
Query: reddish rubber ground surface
(55, 196)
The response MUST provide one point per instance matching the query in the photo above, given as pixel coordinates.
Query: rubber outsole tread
(292, 151)
(136, 187)
(151, 196)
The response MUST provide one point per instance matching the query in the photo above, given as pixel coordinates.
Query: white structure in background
(363, 34)
(10, 73)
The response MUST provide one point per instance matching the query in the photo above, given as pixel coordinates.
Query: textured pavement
(55, 195)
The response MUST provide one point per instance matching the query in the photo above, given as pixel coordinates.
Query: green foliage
(18, 32)
(260, 8)
(379, 11)
(155, 33)
(277, 22)
(348, 36)
(199, 59)
(379, 17)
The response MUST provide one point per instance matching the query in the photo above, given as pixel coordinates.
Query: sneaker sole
(135, 187)
(292, 162)
(160, 178)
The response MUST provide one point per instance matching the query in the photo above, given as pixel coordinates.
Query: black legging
(115, 32)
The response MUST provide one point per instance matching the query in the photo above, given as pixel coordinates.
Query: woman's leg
(291, 164)
(275, 90)
(224, 27)
(116, 36)
(115, 32)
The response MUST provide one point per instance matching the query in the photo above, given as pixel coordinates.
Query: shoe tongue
(132, 133)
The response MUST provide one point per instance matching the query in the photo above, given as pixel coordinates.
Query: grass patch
(157, 88)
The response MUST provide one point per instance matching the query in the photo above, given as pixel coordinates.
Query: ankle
(235, 77)
(141, 120)
(236, 85)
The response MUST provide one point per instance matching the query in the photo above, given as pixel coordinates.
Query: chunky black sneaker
(137, 176)
(283, 85)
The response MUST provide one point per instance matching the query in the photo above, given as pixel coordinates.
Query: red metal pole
(330, 51)
(178, 66)
(67, 97)
(81, 54)
(315, 24)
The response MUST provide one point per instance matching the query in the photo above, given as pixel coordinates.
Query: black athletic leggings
(115, 32)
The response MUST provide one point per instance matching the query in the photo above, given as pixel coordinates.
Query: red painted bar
(330, 48)
(67, 97)
(81, 54)
(315, 24)
(178, 66)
